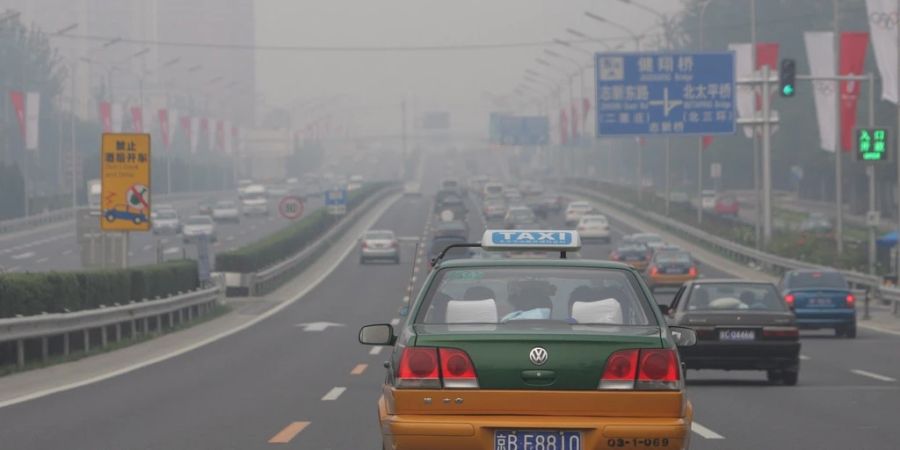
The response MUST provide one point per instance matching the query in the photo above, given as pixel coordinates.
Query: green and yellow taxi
(533, 354)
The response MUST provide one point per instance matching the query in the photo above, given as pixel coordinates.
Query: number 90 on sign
(291, 207)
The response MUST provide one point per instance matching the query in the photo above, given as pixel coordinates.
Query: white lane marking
(171, 250)
(67, 252)
(413, 279)
(804, 358)
(395, 321)
(375, 350)
(333, 394)
(405, 299)
(704, 432)
(873, 375)
(147, 247)
(25, 255)
(164, 241)
(40, 260)
(416, 269)
(148, 362)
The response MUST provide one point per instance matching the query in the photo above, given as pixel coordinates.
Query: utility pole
(897, 158)
(870, 172)
(406, 166)
(838, 150)
(700, 139)
(756, 183)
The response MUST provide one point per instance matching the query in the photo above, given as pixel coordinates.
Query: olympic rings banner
(883, 20)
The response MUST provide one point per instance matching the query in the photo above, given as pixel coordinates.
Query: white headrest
(598, 311)
(472, 311)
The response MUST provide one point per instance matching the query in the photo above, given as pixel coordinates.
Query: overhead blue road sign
(559, 240)
(335, 197)
(519, 130)
(665, 93)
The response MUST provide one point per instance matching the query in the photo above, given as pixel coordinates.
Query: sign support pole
(767, 158)
(640, 169)
(897, 158)
(668, 152)
(870, 171)
(838, 148)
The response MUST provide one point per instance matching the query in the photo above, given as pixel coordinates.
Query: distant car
(166, 222)
(123, 212)
(163, 207)
(727, 205)
(520, 218)
(652, 240)
(412, 189)
(226, 211)
(452, 203)
(670, 268)
(708, 199)
(594, 226)
(492, 190)
(635, 254)
(196, 226)
(740, 325)
(548, 204)
(278, 191)
(820, 299)
(379, 244)
(576, 210)
(457, 228)
(494, 209)
(438, 244)
(254, 201)
(679, 197)
(206, 206)
(816, 223)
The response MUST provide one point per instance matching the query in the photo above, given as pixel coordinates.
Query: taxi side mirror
(684, 337)
(380, 334)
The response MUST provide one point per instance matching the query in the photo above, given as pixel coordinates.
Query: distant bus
(94, 191)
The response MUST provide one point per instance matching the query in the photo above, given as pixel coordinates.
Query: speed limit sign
(291, 207)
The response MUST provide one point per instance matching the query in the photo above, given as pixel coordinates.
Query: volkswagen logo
(538, 356)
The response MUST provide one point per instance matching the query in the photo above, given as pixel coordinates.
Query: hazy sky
(373, 84)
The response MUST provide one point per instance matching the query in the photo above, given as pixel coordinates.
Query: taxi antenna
(562, 254)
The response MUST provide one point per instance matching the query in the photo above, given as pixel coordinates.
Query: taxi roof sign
(550, 240)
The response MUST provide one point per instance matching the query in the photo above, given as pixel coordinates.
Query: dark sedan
(740, 325)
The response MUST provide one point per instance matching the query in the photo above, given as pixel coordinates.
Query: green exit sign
(872, 144)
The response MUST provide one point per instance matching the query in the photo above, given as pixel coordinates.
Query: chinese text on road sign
(125, 182)
(336, 201)
(665, 93)
(871, 144)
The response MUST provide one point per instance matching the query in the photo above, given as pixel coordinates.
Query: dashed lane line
(147, 247)
(405, 299)
(804, 358)
(333, 394)
(873, 375)
(288, 433)
(375, 350)
(171, 250)
(40, 260)
(395, 321)
(359, 369)
(67, 252)
(25, 255)
(704, 432)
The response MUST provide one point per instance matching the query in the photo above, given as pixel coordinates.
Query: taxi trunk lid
(575, 356)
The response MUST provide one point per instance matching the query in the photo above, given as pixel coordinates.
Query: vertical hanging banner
(137, 119)
(220, 135)
(820, 52)
(574, 122)
(106, 116)
(883, 26)
(210, 134)
(185, 122)
(117, 115)
(743, 68)
(852, 62)
(226, 137)
(18, 100)
(563, 127)
(32, 119)
(766, 55)
(194, 134)
(164, 126)
(173, 125)
(125, 182)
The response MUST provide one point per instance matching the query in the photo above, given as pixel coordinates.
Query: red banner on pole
(852, 62)
(220, 134)
(18, 101)
(106, 116)
(766, 55)
(574, 122)
(137, 119)
(164, 126)
(706, 141)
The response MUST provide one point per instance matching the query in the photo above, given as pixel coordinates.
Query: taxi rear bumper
(476, 432)
(661, 280)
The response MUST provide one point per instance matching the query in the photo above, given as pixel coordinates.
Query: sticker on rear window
(465, 275)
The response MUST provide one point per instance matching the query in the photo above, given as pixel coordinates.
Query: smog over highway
(449, 225)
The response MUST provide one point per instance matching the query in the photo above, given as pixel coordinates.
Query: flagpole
(700, 138)
(756, 183)
(897, 154)
(838, 148)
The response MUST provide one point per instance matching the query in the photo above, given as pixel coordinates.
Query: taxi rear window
(490, 295)
(803, 280)
(735, 297)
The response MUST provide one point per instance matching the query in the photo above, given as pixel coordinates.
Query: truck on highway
(94, 191)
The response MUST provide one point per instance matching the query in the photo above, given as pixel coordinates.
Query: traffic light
(871, 144)
(787, 77)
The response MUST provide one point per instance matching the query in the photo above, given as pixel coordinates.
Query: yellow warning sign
(125, 182)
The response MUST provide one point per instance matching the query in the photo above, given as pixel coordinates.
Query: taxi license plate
(736, 335)
(536, 440)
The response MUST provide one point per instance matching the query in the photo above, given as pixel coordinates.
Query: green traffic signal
(787, 76)
(787, 90)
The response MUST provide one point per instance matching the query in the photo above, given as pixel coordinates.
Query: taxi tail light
(654, 270)
(457, 369)
(658, 370)
(614, 256)
(781, 332)
(419, 368)
(693, 271)
(789, 299)
(850, 300)
(620, 370)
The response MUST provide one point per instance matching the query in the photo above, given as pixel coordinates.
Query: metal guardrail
(133, 319)
(270, 278)
(775, 264)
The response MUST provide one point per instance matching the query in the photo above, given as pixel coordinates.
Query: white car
(197, 226)
(379, 244)
(255, 201)
(226, 211)
(166, 222)
(576, 210)
(412, 188)
(708, 199)
(594, 226)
